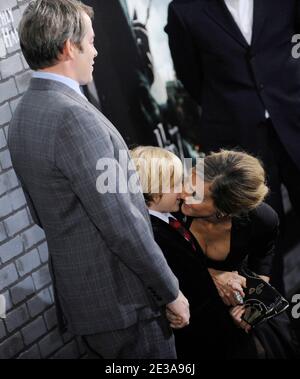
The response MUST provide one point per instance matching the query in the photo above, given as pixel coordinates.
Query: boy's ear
(156, 198)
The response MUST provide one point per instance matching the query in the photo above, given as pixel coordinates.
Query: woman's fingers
(234, 311)
(240, 279)
(240, 313)
(244, 282)
(235, 293)
(233, 297)
(237, 314)
(224, 297)
(227, 301)
(230, 287)
(237, 287)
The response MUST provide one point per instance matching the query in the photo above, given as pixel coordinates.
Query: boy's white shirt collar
(163, 216)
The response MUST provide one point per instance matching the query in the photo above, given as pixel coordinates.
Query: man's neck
(58, 70)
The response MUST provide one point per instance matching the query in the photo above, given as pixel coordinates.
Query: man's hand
(178, 312)
(229, 285)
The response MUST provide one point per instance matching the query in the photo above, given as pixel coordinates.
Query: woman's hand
(265, 278)
(236, 313)
(229, 285)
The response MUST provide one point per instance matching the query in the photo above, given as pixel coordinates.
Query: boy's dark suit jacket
(211, 332)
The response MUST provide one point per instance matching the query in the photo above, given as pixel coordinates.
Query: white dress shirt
(242, 12)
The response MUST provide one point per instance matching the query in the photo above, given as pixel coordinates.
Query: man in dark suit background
(111, 280)
(235, 58)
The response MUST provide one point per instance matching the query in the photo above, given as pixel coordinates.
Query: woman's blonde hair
(237, 181)
(160, 171)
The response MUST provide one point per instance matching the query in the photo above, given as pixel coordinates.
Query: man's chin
(86, 81)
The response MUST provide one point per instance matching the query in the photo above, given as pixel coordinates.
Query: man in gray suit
(111, 281)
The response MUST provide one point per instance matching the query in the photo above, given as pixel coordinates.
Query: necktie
(177, 225)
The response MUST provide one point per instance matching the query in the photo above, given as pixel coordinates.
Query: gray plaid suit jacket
(107, 270)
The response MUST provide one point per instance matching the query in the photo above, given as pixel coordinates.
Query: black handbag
(262, 301)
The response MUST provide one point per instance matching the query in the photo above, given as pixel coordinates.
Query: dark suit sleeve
(297, 16)
(186, 57)
(265, 226)
(80, 143)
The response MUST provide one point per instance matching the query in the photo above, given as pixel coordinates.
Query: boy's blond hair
(160, 171)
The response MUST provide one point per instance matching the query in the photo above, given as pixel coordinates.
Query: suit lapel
(259, 17)
(219, 13)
